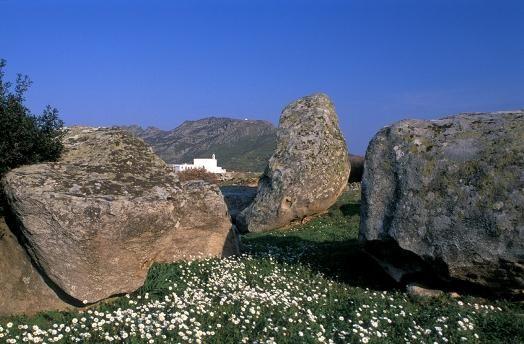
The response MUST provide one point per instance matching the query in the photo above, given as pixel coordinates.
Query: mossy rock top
(99, 162)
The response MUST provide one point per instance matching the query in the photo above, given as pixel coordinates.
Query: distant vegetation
(25, 138)
(248, 154)
(197, 174)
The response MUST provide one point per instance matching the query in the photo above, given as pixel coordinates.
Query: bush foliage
(25, 138)
(197, 174)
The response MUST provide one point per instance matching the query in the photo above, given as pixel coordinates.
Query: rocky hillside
(239, 145)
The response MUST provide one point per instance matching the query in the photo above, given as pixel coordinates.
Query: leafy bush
(197, 174)
(24, 137)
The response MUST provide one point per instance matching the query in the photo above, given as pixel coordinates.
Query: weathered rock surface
(450, 193)
(22, 289)
(96, 220)
(308, 170)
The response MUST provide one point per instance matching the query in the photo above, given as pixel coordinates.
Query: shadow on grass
(330, 245)
(350, 209)
(331, 248)
(344, 261)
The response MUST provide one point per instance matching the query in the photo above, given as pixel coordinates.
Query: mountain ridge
(240, 145)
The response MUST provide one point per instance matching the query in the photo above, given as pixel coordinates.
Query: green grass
(310, 284)
(328, 244)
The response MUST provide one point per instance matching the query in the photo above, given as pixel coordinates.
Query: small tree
(24, 137)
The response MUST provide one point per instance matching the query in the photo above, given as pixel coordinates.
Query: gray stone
(308, 170)
(95, 221)
(450, 192)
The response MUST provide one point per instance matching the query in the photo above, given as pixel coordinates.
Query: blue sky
(158, 63)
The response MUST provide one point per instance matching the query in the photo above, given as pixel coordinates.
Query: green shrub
(25, 138)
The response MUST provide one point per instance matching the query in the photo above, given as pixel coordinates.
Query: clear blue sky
(158, 63)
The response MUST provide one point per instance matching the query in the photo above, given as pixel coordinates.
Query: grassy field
(310, 284)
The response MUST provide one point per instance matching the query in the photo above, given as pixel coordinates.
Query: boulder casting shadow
(334, 260)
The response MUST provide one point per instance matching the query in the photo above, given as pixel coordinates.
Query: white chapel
(210, 165)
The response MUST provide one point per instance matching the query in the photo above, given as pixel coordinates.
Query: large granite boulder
(96, 220)
(308, 170)
(448, 196)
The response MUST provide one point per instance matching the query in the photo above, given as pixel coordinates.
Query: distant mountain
(239, 145)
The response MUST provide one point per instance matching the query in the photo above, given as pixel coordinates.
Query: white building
(210, 165)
